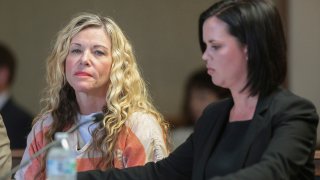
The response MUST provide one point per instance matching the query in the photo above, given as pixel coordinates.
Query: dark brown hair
(256, 24)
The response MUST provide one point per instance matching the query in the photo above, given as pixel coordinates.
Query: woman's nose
(85, 58)
(204, 55)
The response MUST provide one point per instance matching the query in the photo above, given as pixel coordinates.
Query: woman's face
(225, 57)
(88, 62)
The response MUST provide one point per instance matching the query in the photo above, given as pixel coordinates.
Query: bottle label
(61, 167)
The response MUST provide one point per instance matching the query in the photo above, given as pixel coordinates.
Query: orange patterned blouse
(139, 142)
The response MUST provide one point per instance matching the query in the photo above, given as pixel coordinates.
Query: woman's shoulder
(284, 99)
(142, 120)
(285, 105)
(42, 123)
(36, 138)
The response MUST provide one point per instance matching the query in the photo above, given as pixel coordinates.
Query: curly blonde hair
(126, 93)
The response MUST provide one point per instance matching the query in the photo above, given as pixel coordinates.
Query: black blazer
(279, 144)
(18, 123)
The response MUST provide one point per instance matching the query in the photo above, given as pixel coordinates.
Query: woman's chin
(82, 89)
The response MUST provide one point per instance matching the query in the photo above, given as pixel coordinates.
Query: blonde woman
(92, 69)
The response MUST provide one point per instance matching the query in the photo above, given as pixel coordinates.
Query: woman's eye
(215, 47)
(76, 51)
(99, 53)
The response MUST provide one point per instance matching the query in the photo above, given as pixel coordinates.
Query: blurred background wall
(304, 50)
(164, 36)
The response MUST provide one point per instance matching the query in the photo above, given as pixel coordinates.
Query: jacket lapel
(216, 131)
(258, 122)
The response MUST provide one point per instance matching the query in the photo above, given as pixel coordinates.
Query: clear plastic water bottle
(61, 160)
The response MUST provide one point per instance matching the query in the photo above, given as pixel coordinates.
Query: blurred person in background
(17, 120)
(199, 93)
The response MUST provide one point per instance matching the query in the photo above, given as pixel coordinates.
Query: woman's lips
(210, 70)
(80, 73)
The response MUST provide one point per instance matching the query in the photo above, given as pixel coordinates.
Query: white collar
(4, 97)
(86, 129)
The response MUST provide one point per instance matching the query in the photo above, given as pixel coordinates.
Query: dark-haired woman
(263, 131)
